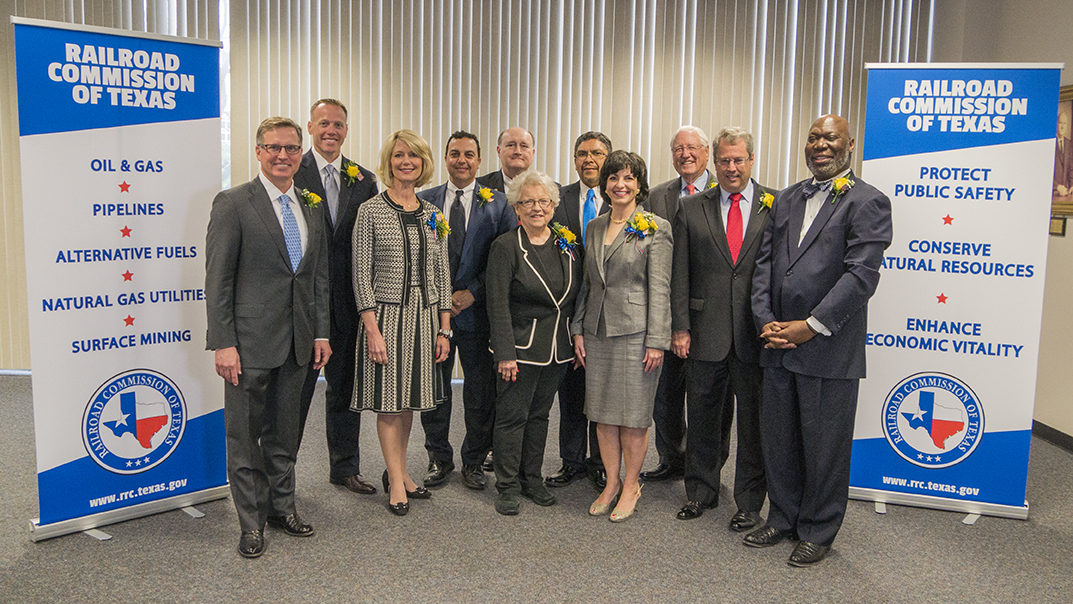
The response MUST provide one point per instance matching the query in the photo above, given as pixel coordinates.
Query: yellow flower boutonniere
(439, 225)
(564, 239)
(485, 194)
(641, 225)
(841, 186)
(712, 184)
(352, 172)
(310, 198)
(766, 199)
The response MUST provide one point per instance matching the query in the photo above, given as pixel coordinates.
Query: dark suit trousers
(807, 425)
(710, 416)
(340, 423)
(750, 482)
(574, 428)
(669, 413)
(261, 418)
(521, 424)
(478, 401)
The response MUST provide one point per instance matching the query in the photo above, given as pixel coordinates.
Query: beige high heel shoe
(617, 516)
(601, 509)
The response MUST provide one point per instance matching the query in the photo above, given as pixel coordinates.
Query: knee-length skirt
(618, 392)
(410, 380)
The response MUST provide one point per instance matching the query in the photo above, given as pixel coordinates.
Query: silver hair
(692, 129)
(532, 178)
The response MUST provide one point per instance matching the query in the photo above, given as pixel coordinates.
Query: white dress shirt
(745, 205)
(467, 200)
(296, 201)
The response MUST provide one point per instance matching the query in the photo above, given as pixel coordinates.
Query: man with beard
(817, 268)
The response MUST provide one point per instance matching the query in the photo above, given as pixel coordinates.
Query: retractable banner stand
(966, 154)
(120, 149)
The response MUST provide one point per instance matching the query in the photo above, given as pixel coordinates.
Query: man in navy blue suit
(476, 215)
(818, 265)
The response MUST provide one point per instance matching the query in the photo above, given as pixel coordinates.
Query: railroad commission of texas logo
(933, 420)
(134, 421)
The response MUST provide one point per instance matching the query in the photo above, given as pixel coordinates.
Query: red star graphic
(948, 219)
(127, 276)
(125, 230)
(129, 321)
(124, 188)
(942, 298)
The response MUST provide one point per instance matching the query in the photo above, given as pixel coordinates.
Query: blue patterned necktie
(291, 234)
(331, 188)
(589, 213)
(814, 187)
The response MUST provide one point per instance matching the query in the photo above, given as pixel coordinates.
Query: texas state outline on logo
(933, 420)
(134, 421)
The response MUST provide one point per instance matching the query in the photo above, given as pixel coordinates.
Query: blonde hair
(416, 144)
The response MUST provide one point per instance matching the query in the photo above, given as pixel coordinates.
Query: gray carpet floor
(455, 548)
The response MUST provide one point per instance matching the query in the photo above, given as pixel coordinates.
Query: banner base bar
(40, 532)
(939, 503)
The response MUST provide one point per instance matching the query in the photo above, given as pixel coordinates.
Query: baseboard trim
(1054, 436)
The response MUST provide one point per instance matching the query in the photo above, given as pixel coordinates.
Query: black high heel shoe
(418, 493)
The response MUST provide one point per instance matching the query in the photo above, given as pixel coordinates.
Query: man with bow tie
(818, 266)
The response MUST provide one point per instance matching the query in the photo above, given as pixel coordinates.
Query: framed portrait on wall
(1062, 189)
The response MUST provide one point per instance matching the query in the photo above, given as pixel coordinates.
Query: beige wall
(1029, 31)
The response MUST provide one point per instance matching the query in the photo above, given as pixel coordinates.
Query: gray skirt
(618, 392)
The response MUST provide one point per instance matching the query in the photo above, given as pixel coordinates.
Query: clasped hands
(785, 335)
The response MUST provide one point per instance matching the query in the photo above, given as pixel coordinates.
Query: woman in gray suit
(531, 282)
(622, 325)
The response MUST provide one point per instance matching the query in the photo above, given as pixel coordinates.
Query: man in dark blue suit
(818, 265)
(580, 202)
(343, 185)
(476, 215)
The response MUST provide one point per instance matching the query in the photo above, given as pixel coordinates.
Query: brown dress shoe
(355, 483)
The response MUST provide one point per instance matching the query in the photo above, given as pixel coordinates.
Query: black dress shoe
(563, 477)
(399, 509)
(354, 483)
(598, 476)
(661, 472)
(487, 465)
(473, 477)
(539, 494)
(418, 493)
(765, 536)
(693, 509)
(743, 521)
(807, 554)
(251, 544)
(438, 472)
(291, 524)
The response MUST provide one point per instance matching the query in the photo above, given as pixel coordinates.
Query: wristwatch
(447, 333)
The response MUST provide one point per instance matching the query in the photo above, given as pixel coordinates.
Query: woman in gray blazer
(622, 325)
(531, 282)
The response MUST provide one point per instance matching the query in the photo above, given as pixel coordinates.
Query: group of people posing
(622, 300)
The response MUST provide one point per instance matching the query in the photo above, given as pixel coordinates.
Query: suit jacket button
(789, 272)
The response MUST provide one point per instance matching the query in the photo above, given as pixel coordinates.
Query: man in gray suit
(717, 234)
(818, 265)
(689, 151)
(266, 292)
(516, 149)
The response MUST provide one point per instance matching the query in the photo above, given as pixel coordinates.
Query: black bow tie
(813, 187)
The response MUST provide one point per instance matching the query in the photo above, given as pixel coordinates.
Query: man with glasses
(343, 185)
(476, 215)
(266, 293)
(689, 152)
(716, 236)
(579, 203)
(516, 149)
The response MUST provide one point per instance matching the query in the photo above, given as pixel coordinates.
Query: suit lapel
(714, 216)
(596, 242)
(615, 245)
(756, 221)
(827, 209)
(261, 205)
(522, 238)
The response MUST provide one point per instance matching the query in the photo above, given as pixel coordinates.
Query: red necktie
(734, 226)
(690, 189)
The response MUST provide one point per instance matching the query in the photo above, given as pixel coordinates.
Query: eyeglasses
(683, 148)
(726, 162)
(274, 149)
(596, 155)
(528, 203)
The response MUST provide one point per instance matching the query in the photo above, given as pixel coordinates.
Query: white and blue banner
(966, 154)
(120, 152)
